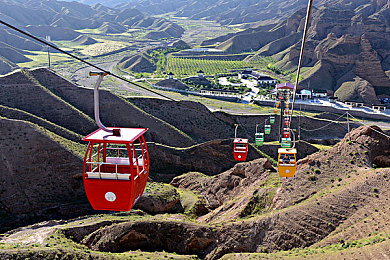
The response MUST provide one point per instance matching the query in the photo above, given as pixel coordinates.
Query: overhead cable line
(82, 60)
(322, 127)
(379, 132)
(340, 124)
(306, 29)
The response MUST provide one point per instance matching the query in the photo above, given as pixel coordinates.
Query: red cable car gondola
(286, 121)
(116, 164)
(240, 148)
(286, 133)
(115, 168)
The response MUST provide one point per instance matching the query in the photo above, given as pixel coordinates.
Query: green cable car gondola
(286, 143)
(267, 129)
(259, 139)
(272, 119)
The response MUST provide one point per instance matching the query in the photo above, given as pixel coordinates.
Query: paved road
(81, 77)
(252, 84)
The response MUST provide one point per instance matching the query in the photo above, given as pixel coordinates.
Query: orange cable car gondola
(240, 148)
(116, 164)
(287, 162)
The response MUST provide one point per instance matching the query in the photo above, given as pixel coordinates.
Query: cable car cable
(293, 134)
(103, 70)
(306, 29)
(322, 127)
(82, 60)
(289, 169)
(342, 126)
(379, 132)
(339, 123)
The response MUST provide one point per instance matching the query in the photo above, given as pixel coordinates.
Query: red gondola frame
(286, 133)
(286, 121)
(240, 149)
(116, 183)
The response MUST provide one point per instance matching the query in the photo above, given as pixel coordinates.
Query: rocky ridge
(55, 16)
(84, 40)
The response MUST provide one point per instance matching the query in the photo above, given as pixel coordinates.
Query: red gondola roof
(128, 135)
(240, 141)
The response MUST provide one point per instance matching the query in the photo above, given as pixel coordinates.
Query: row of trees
(275, 69)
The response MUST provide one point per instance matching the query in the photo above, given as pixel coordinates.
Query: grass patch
(321, 147)
(102, 47)
(189, 200)
(39, 59)
(75, 148)
(273, 161)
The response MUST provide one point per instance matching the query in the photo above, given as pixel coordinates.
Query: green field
(40, 58)
(185, 67)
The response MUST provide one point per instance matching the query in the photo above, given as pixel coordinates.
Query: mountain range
(347, 50)
(71, 15)
(60, 20)
(226, 12)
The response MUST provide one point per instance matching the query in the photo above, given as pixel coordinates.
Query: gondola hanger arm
(99, 81)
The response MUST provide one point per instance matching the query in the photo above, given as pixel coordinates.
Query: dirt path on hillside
(34, 234)
(81, 77)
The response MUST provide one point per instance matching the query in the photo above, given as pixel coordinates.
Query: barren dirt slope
(21, 91)
(203, 125)
(318, 172)
(37, 176)
(307, 223)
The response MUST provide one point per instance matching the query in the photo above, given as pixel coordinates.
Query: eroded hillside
(181, 139)
(338, 201)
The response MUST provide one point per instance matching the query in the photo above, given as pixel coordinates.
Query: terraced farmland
(184, 66)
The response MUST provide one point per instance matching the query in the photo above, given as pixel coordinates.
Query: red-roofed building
(288, 86)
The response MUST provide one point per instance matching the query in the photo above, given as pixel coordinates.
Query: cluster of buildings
(200, 74)
(303, 94)
(260, 78)
(265, 80)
